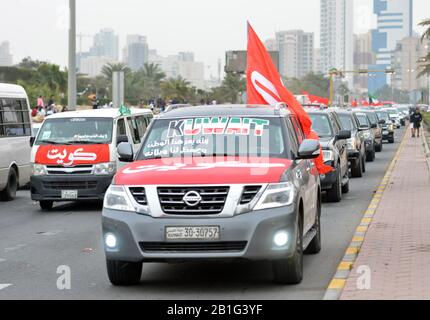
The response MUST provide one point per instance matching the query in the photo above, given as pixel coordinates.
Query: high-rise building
(406, 64)
(317, 61)
(296, 53)
(364, 58)
(271, 45)
(337, 30)
(106, 44)
(136, 53)
(92, 66)
(395, 20)
(6, 59)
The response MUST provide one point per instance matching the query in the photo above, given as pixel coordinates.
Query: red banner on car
(72, 155)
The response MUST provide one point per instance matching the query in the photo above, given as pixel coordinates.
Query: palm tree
(152, 72)
(425, 61)
(178, 88)
(110, 68)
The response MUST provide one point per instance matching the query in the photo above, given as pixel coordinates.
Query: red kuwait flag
(264, 86)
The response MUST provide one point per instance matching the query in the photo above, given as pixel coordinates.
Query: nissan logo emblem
(192, 198)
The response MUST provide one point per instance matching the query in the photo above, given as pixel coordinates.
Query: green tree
(425, 61)
(178, 88)
(110, 68)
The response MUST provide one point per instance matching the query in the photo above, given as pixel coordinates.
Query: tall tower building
(106, 44)
(337, 30)
(136, 53)
(6, 59)
(296, 53)
(395, 21)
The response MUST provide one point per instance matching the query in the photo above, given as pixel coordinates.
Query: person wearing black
(416, 119)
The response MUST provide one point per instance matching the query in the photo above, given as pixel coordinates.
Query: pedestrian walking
(40, 102)
(416, 120)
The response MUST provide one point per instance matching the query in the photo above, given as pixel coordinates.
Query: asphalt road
(33, 244)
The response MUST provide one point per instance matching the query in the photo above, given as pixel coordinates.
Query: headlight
(276, 195)
(352, 144)
(328, 155)
(102, 169)
(38, 169)
(117, 199)
(367, 135)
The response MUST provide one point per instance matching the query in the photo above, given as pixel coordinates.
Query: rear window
(213, 137)
(372, 117)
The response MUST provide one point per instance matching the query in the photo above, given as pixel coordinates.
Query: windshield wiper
(84, 142)
(53, 142)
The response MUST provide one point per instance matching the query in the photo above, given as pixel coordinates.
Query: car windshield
(363, 120)
(383, 116)
(76, 131)
(393, 112)
(214, 137)
(372, 117)
(321, 125)
(347, 122)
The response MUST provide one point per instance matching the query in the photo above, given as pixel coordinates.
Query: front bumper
(353, 154)
(255, 229)
(369, 145)
(328, 180)
(387, 135)
(49, 187)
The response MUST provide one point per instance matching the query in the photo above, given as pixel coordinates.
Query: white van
(15, 131)
(74, 154)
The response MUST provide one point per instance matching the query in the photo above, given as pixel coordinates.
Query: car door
(308, 181)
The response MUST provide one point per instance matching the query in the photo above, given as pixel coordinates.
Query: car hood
(189, 171)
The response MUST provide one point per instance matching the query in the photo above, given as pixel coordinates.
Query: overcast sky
(206, 27)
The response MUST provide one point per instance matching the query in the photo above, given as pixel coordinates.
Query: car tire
(391, 140)
(290, 271)
(370, 157)
(335, 193)
(357, 169)
(363, 162)
(46, 205)
(379, 147)
(345, 188)
(124, 273)
(9, 193)
(315, 246)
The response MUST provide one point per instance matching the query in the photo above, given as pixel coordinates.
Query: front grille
(60, 170)
(249, 193)
(139, 195)
(212, 200)
(232, 246)
(70, 185)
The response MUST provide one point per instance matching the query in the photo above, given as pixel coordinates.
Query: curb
(426, 146)
(344, 269)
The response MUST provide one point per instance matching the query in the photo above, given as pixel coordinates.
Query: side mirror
(343, 135)
(309, 149)
(32, 140)
(125, 152)
(382, 122)
(121, 139)
(374, 126)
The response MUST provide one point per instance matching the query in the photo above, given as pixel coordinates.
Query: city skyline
(172, 38)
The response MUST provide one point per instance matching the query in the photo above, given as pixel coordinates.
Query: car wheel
(357, 169)
(391, 140)
(345, 188)
(290, 271)
(371, 155)
(335, 193)
(9, 193)
(46, 205)
(124, 273)
(363, 162)
(379, 147)
(315, 245)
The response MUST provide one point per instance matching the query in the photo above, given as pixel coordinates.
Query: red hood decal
(72, 155)
(203, 171)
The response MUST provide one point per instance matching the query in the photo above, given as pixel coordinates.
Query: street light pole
(72, 57)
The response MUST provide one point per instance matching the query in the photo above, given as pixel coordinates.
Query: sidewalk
(396, 247)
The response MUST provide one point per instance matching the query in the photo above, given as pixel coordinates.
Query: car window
(321, 125)
(294, 143)
(372, 117)
(132, 125)
(363, 120)
(142, 125)
(347, 122)
(121, 130)
(298, 129)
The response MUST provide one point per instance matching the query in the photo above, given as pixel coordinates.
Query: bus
(15, 133)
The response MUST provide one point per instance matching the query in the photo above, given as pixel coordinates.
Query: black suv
(356, 145)
(365, 127)
(335, 151)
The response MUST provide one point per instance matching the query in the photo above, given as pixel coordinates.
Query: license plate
(193, 233)
(69, 194)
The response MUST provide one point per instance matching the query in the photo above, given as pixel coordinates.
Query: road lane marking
(20, 246)
(338, 283)
(4, 286)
